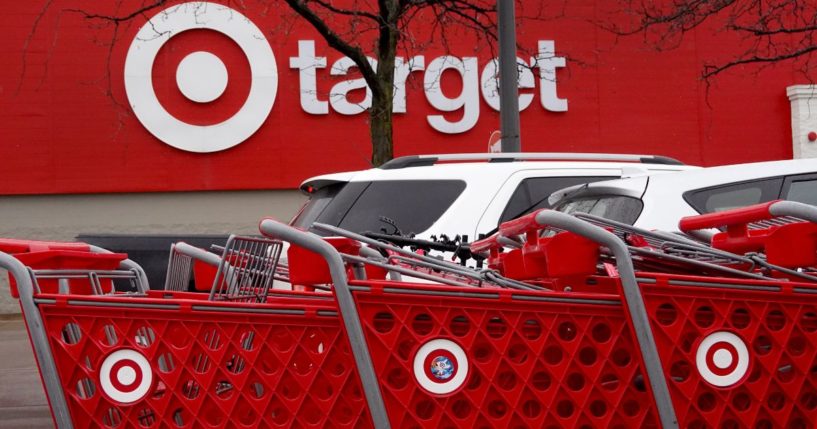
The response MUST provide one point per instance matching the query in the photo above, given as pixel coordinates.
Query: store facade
(191, 117)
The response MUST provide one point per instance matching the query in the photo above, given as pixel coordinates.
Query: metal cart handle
(128, 265)
(632, 295)
(348, 310)
(746, 215)
(197, 254)
(794, 209)
(39, 339)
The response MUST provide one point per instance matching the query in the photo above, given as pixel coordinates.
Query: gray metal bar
(221, 272)
(123, 304)
(760, 260)
(84, 273)
(171, 266)
(436, 263)
(635, 303)
(539, 298)
(441, 293)
(509, 242)
(723, 285)
(494, 296)
(246, 269)
(658, 235)
(462, 271)
(348, 311)
(794, 209)
(676, 238)
(248, 310)
(711, 253)
(508, 77)
(493, 276)
(539, 156)
(42, 349)
(198, 254)
(714, 267)
(407, 271)
(368, 252)
(128, 264)
(702, 235)
(674, 242)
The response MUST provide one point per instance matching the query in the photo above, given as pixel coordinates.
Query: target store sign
(235, 96)
(202, 77)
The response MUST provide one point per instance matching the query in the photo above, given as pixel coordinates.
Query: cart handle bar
(749, 214)
(197, 253)
(632, 294)
(36, 330)
(348, 311)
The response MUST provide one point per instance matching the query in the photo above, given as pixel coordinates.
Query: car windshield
(614, 207)
(410, 206)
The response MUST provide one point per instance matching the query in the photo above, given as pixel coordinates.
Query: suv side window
(727, 197)
(802, 189)
(532, 193)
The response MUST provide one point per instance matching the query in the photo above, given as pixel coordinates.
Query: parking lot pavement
(22, 399)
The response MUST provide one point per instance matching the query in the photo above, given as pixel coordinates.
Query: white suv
(659, 202)
(458, 194)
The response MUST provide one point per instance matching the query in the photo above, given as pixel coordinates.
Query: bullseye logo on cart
(202, 78)
(125, 376)
(722, 359)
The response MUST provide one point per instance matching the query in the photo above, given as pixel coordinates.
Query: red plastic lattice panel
(209, 369)
(530, 364)
(702, 334)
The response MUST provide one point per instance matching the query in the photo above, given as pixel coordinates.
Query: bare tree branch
(347, 12)
(769, 32)
(27, 43)
(713, 70)
(117, 19)
(335, 40)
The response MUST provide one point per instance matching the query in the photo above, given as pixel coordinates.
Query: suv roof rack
(427, 160)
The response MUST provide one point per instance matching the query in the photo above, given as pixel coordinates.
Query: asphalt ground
(22, 398)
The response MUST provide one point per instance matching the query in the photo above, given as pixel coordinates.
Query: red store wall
(68, 126)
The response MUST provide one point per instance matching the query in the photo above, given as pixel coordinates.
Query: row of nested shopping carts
(572, 321)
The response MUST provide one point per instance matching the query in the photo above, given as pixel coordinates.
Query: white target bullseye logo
(722, 359)
(125, 376)
(201, 77)
(440, 366)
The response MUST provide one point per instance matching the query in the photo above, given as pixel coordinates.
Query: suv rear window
(532, 193)
(317, 203)
(721, 198)
(413, 205)
(615, 207)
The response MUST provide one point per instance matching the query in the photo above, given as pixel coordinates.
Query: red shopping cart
(583, 323)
